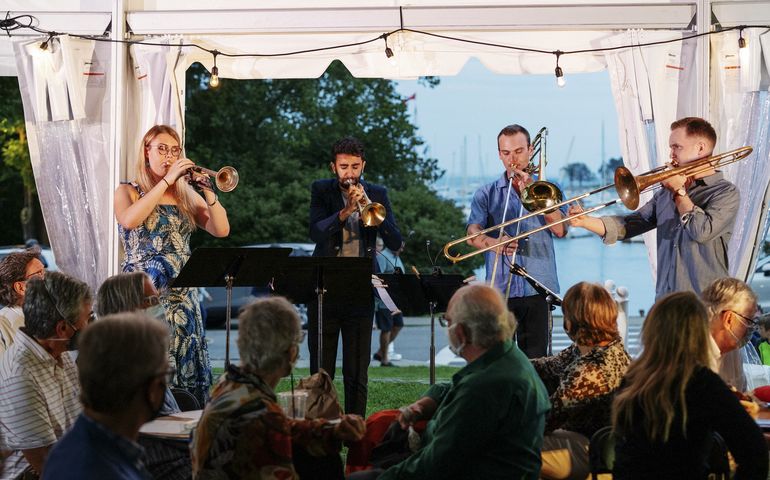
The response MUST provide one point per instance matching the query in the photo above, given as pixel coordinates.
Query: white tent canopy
(238, 27)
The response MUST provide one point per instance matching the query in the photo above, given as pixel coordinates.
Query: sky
(475, 105)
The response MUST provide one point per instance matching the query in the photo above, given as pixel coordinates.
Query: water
(587, 259)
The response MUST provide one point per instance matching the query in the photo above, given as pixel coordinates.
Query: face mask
(155, 410)
(456, 349)
(741, 342)
(72, 344)
(156, 311)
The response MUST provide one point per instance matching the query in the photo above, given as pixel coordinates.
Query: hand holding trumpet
(177, 169)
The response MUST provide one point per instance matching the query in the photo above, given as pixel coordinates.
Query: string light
(44, 45)
(389, 52)
(743, 51)
(214, 78)
(560, 82)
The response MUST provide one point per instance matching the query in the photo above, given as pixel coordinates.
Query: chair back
(601, 452)
(185, 399)
(718, 463)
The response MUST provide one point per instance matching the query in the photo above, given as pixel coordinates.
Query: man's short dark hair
(348, 146)
(512, 130)
(13, 268)
(696, 127)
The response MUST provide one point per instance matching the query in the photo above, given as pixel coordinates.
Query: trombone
(627, 186)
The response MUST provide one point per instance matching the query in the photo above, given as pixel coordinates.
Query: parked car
(216, 309)
(760, 283)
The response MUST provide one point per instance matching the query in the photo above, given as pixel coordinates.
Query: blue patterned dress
(160, 247)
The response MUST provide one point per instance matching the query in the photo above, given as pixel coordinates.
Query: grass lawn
(388, 387)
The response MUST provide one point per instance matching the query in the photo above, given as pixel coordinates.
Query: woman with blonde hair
(156, 215)
(671, 402)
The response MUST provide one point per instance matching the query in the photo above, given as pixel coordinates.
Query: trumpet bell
(373, 214)
(227, 179)
(541, 195)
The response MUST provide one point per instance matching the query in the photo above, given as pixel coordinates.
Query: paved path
(413, 343)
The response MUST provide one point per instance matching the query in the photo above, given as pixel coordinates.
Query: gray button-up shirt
(692, 248)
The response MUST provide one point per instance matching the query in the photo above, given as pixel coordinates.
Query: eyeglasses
(164, 149)
(169, 375)
(151, 300)
(750, 323)
(301, 336)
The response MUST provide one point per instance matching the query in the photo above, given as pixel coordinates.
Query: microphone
(392, 265)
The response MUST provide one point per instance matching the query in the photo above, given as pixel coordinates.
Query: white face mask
(156, 312)
(456, 349)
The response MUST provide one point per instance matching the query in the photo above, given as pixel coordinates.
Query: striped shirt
(38, 399)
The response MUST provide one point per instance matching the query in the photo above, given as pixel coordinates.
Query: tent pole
(118, 94)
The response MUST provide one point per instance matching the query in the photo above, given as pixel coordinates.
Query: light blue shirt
(535, 253)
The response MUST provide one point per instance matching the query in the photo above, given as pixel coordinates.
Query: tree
(607, 170)
(278, 134)
(578, 172)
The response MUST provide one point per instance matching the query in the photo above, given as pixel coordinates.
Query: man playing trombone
(499, 201)
(694, 215)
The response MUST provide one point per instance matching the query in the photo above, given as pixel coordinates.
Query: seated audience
(15, 270)
(243, 433)
(763, 346)
(38, 378)
(732, 307)
(488, 423)
(671, 402)
(134, 292)
(581, 380)
(123, 368)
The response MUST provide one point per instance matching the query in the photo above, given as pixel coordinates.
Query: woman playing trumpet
(156, 214)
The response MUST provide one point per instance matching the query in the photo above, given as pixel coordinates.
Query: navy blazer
(326, 229)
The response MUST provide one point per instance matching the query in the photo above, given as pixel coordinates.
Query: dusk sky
(476, 104)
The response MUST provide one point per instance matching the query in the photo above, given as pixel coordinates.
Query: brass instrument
(540, 195)
(372, 213)
(226, 178)
(627, 186)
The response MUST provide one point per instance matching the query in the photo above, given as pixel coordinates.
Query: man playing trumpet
(534, 253)
(694, 215)
(339, 228)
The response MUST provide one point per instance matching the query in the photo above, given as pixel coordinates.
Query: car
(760, 283)
(216, 308)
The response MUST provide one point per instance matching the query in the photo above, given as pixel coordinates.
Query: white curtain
(741, 106)
(652, 87)
(66, 92)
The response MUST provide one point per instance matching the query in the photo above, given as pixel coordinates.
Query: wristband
(168, 185)
(214, 202)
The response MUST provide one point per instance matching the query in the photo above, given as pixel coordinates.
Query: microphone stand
(551, 298)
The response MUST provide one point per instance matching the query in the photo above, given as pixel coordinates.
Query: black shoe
(377, 357)
(388, 364)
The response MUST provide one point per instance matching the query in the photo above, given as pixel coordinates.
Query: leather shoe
(377, 356)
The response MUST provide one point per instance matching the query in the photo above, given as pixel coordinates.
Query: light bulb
(214, 79)
(560, 81)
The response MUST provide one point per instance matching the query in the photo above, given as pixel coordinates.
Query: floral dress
(160, 247)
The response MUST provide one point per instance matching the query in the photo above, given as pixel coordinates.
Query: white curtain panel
(741, 105)
(65, 92)
(651, 89)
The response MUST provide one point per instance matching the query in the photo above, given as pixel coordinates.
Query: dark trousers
(356, 328)
(532, 316)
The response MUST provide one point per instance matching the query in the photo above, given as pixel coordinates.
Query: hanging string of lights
(11, 24)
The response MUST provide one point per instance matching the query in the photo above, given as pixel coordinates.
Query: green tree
(279, 133)
(607, 170)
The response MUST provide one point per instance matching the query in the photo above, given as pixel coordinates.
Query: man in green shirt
(488, 423)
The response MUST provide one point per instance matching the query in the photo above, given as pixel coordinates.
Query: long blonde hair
(675, 339)
(183, 192)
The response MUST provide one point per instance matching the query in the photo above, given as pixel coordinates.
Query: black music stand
(551, 298)
(338, 280)
(421, 294)
(229, 267)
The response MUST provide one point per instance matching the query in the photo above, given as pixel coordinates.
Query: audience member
(763, 347)
(15, 270)
(671, 402)
(123, 368)
(488, 423)
(581, 380)
(243, 433)
(135, 292)
(732, 307)
(38, 378)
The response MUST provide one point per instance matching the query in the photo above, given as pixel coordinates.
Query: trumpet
(372, 213)
(627, 186)
(226, 178)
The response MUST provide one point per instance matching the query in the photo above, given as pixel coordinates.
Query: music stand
(338, 280)
(551, 298)
(228, 267)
